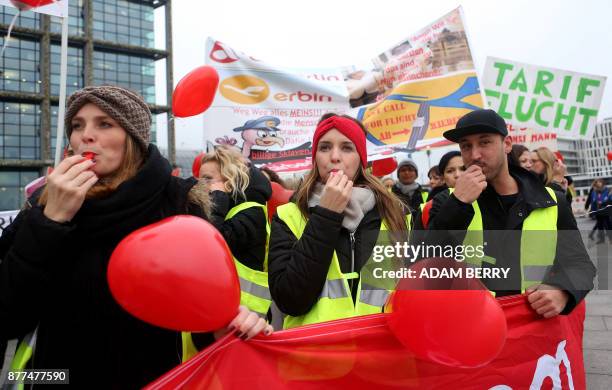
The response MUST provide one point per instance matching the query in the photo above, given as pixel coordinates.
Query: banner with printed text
(363, 353)
(407, 97)
(545, 99)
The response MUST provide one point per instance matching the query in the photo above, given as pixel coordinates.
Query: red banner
(362, 353)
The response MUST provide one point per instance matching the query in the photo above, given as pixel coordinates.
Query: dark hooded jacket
(502, 221)
(53, 275)
(414, 201)
(245, 233)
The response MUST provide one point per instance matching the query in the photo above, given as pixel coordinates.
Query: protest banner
(6, 218)
(546, 99)
(362, 353)
(406, 97)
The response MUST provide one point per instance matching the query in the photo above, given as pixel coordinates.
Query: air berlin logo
(222, 55)
(244, 89)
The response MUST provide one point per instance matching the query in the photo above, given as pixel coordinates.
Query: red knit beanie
(346, 126)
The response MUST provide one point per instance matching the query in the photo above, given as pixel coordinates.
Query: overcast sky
(571, 35)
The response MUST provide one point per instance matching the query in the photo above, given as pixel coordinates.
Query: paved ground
(598, 323)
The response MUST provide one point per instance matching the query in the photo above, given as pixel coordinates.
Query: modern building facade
(593, 158)
(110, 42)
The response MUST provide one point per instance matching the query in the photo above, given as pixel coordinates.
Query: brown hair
(389, 206)
(130, 164)
(514, 157)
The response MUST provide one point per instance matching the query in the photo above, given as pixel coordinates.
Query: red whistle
(89, 155)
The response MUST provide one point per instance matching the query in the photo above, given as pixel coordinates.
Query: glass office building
(110, 42)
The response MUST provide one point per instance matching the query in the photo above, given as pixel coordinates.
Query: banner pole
(59, 135)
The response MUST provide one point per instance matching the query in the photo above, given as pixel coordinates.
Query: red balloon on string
(24, 5)
(177, 273)
(455, 322)
(197, 164)
(610, 156)
(280, 196)
(195, 92)
(384, 167)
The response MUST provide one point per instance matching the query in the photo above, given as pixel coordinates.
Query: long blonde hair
(548, 159)
(133, 159)
(388, 204)
(233, 169)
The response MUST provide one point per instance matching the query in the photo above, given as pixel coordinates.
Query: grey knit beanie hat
(126, 107)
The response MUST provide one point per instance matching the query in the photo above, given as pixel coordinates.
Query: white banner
(545, 99)
(406, 97)
(6, 218)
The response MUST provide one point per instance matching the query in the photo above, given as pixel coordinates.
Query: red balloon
(197, 164)
(559, 155)
(29, 4)
(458, 325)
(384, 167)
(610, 156)
(195, 92)
(177, 273)
(279, 197)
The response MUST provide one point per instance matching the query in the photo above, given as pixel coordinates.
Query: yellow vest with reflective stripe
(537, 254)
(254, 291)
(335, 300)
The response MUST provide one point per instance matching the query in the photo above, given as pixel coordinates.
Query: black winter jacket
(298, 268)
(572, 271)
(54, 275)
(245, 233)
(414, 201)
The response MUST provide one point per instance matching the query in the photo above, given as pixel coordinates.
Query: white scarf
(362, 200)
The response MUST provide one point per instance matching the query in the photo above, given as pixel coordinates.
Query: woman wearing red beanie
(323, 242)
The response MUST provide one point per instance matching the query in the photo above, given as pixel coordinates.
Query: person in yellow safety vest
(406, 188)
(450, 167)
(321, 243)
(54, 256)
(239, 193)
(527, 236)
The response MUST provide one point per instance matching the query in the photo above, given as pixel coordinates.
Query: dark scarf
(137, 202)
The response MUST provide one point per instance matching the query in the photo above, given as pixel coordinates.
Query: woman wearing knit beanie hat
(113, 183)
(321, 241)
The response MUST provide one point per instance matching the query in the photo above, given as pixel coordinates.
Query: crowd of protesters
(310, 262)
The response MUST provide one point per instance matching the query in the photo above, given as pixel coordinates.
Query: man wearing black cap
(523, 226)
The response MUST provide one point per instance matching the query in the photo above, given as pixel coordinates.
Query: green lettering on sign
(567, 81)
(525, 116)
(538, 113)
(569, 118)
(586, 113)
(503, 67)
(519, 82)
(583, 88)
(502, 107)
(544, 77)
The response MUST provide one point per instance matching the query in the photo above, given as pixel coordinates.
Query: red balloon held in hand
(455, 321)
(177, 273)
(25, 5)
(280, 196)
(197, 165)
(384, 167)
(195, 92)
